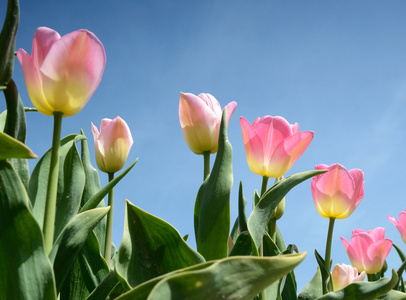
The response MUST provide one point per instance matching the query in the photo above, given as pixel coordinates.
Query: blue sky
(337, 68)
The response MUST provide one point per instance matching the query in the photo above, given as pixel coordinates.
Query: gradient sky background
(337, 68)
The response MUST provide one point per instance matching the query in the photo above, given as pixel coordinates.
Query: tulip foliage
(55, 227)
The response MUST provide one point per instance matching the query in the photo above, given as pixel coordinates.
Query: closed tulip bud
(337, 193)
(112, 144)
(200, 118)
(400, 224)
(62, 73)
(272, 145)
(344, 275)
(368, 250)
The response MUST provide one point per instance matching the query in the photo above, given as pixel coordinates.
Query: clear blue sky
(337, 68)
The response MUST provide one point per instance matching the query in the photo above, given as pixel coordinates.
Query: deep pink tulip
(400, 224)
(62, 73)
(368, 250)
(200, 118)
(272, 145)
(344, 275)
(112, 144)
(338, 192)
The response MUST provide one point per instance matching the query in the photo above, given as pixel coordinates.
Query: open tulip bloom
(368, 250)
(400, 224)
(62, 73)
(337, 193)
(272, 145)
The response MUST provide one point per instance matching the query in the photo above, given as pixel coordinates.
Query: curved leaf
(212, 207)
(313, 289)
(25, 272)
(150, 247)
(238, 277)
(12, 148)
(262, 213)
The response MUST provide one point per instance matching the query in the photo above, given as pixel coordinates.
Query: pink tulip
(368, 250)
(400, 224)
(200, 118)
(63, 72)
(272, 145)
(344, 275)
(112, 144)
(338, 192)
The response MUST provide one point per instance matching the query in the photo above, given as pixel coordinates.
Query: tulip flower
(337, 193)
(400, 224)
(272, 145)
(112, 144)
(368, 250)
(200, 118)
(62, 73)
(344, 275)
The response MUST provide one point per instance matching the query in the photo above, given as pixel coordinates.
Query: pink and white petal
(193, 111)
(377, 233)
(295, 128)
(212, 103)
(104, 122)
(337, 180)
(44, 38)
(230, 108)
(393, 220)
(376, 255)
(253, 148)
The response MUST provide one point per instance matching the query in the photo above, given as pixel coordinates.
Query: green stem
(372, 277)
(262, 295)
(206, 169)
(109, 225)
(327, 257)
(52, 188)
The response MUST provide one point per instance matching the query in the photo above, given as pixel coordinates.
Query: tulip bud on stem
(109, 226)
(327, 257)
(206, 170)
(52, 188)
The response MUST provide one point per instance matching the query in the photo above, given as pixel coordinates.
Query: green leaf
(325, 274)
(70, 187)
(8, 40)
(364, 290)
(94, 201)
(150, 247)
(243, 245)
(105, 287)
(12, 148)
(234, 231)
(393, 295)
(262, 213)
(313, 289)
(212, 207)
(25, 272)
(402, 257)
(238, 277)
(71, 241)
(242, 217)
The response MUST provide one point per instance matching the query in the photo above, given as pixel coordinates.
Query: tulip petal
(376, 254)
(99, 150)
(44, 38)
(72, 71)
(287, 153)
(230, 108)
(253, 148)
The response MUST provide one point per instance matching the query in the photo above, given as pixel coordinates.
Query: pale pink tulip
(400, 224)
(112, 144)
(200, 118)
(272, 145)
(62, 73)
(344, 275)
(368, 250)
(338, 192)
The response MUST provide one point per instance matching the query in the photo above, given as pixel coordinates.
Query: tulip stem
(327, 257)
(109, 225)
(52, 188)
(206, 169)
(262, 295)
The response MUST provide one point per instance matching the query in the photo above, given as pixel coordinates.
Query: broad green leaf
(15, 126)
(238, 277)
(105, 287)
(212, 207)
(262, 212)
(94, 201)
(313, 289)
(234, 231)
(325, 273)
(393, 295)
(25, 272)
(150, 247)
(8, 40)
(71, 240)
(12, 148)
(364, 290)
(65, 200)
(243, 245)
